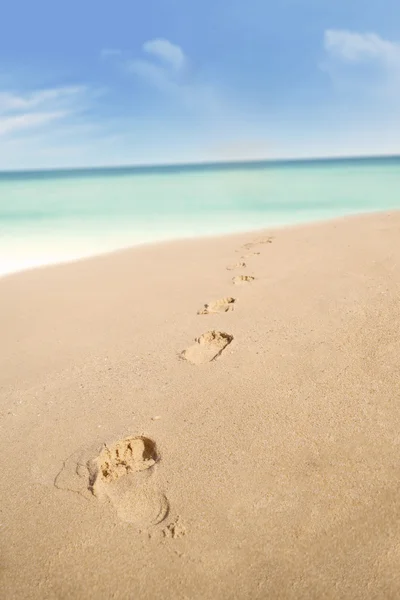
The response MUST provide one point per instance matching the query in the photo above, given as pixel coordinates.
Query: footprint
(122, 474)
(239, 279)
(207, 347)
(250, 254)
(262, 240)
(239, 265)
(126, 456)
(219, 306)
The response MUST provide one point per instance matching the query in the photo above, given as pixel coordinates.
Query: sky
(98, 83)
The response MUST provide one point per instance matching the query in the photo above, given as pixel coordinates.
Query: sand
(144, 457)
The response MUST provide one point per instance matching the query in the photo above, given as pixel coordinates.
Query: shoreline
(250, 386)
(118, 250)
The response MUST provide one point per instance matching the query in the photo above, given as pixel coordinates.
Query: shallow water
(50, 217)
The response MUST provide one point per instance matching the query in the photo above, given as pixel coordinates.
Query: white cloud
(37, 108)
(173, 79)
(28, 121)
(353, 47)
(153, 74)
(10, 101)
(192, 95)
(364, 68)
(171, 54)
(168, 77)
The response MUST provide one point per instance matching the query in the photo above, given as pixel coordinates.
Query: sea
(49, 217)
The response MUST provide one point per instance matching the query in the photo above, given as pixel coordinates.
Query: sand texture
(153, 449)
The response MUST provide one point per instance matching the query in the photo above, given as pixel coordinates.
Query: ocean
(56, 216)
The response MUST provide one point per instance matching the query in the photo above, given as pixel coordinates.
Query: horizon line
(199, 164)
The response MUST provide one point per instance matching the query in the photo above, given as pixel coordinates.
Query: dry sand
(270, 468)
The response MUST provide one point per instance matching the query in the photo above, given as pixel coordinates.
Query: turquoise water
(49, 217)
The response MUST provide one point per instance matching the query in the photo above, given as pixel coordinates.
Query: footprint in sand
(239, 279)
(250, 254)
(239, 265)
(122, 473)
(207, 347)
(219, 306)
(263, 240)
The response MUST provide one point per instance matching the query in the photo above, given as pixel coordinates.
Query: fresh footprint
(239, 279)
(207, 347)
(219, 306)
(122, 473)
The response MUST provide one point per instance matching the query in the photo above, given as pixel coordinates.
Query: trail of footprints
(123, 473)
(210, 345)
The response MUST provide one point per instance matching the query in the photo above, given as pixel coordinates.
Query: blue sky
(101, 83)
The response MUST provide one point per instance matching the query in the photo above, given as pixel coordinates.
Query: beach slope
(212, 418)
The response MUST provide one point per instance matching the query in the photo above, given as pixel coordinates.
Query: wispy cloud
(36, 108)
(28, 121)
(353, 47)
(10, 101)
(175, 79)
(171, 54)
(364, 66)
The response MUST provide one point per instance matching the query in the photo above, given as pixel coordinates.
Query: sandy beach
(208, 418)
